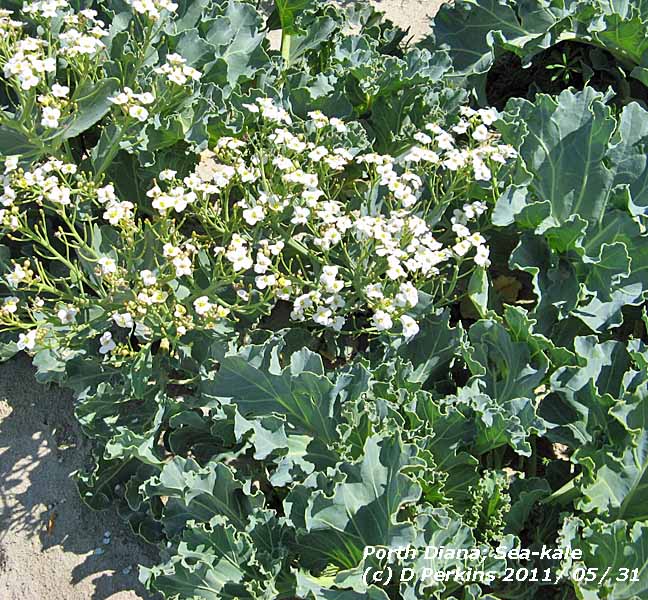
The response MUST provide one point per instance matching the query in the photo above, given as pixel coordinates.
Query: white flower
(481, 171)
(182, 266)
(17, 276)
(239, 257)
(67, 314)
(466, 111)
(253, 215)
(382, 321)
(107, 343)
(322, 316)
(202, 305)
(319, 118)
(10, 304)
(50, 117)
(263, 263)
(415, 154)
(461, 230)
(27, 341)
(311, 197)
(454, 160)
(167, 174)
(481, 256)
(477, 239)
(118, 211)
(124, 320)
(170, 251)
(107, 265)
(337, 323)
(461, 127)
(69, 169)
(407, 295)
(264, 281)
(434, 128)
(120, 99)
(148, 279)
(301, 214)
(60, 91)
(60, 195)
(303, 302)
(481, 133)
(462, 247)
(106, 193)
(338, 125)
(11, 163)
(318, 153)
(138, 112)
(445, 141)
(479, 207)
(410, 326)
(374, 290)
(282, 163)
(487, 115)
(423, 138)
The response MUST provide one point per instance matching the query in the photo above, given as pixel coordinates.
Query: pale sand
(40, 446)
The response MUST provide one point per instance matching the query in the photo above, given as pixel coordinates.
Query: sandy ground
(51, 545)
(412, 14)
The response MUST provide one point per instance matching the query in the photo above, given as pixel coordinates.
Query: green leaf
(305, 398)
(363, 509)
(478, 286)
(288, 12)
(473, 30)
(211, 563)
(616, 548)
(433, 350)
(588, 257)
(14, 142)
(92, 102)
(234, 52)
(617, 474)
(199, 494)
(502, 366)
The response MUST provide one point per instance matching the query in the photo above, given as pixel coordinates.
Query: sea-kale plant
(310, 302)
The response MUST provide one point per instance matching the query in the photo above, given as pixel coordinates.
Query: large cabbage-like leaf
(363, 508)
(618, 549)
(582, 241)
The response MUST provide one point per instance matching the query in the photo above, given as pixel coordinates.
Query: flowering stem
(285, 46)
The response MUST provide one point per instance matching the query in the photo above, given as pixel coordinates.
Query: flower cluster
(48, 9)
(351, 257)
(117, 212)
(153, 9)
(177, 70)
(52, 104)
(133, 103)
(289, 213)
(29, 63)
(83, 31)
(441, 147)
(7, 24)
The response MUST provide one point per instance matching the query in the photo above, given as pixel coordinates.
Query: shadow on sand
(48, 537)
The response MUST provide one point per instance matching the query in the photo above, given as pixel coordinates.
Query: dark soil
(591, 66)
